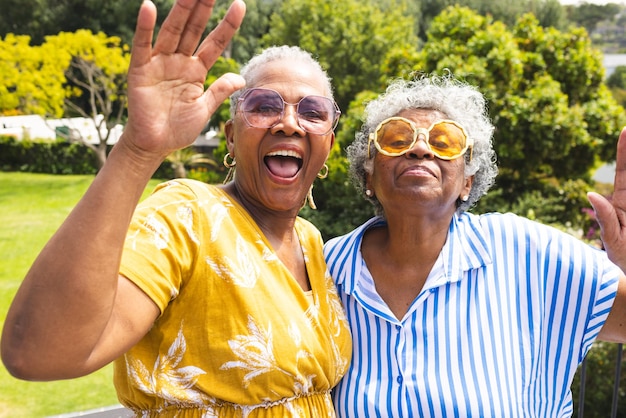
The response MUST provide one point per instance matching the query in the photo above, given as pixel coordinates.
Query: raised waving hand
(168, 105)
(73, 312)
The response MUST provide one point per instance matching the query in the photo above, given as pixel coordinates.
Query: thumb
(221, 89)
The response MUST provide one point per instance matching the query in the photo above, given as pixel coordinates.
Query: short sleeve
(162, 241)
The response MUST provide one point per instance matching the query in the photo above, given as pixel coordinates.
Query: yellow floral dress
(237, 336)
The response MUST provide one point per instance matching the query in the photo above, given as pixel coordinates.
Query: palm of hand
(166, 98)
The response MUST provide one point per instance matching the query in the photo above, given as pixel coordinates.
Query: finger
(605, 213)
(212, 47)
(620, 167)
(171, 32)
(221, 88)
(195, 27)
(141, 50)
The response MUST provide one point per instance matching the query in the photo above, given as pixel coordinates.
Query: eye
(439, 141)
(263, 103)
(396, 140)
(266, 107)
(314, 115)
(314, 109)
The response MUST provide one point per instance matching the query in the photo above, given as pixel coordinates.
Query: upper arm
(614, 329)
(132, 317)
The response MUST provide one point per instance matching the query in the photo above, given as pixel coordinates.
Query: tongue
(283, 166)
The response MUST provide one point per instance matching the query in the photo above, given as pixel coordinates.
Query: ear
(230, 139)
(368, 181)
(467, 187)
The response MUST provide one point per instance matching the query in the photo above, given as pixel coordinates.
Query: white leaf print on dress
(255, 351)
(184, 213)
(160, 233)
(217, 215)
(166, 380)
(242, 271)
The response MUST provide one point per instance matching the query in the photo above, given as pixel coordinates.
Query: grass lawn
(32, 206)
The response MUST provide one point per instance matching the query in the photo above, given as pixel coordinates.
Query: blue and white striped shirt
(506, 315)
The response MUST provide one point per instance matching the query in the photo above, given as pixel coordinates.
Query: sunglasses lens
(316, 114)
(447, 140)
(395, 137)
(262, 108)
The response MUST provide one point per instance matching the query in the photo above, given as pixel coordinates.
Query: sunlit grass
(32, 207)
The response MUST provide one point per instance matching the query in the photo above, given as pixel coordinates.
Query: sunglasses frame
(245, 95)
(373, 137)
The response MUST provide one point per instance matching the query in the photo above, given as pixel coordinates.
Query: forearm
(66, 300)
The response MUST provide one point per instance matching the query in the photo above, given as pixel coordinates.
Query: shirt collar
(465, 249)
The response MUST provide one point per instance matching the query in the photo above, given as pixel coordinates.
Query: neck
(276, 225)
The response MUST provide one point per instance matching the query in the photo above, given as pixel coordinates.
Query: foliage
(185, 158)
(549, 12)
(350, 38)
(39, 18)
(94, 67)
(617, 83)
(71, 74)
(53, 157)
(247, 41)
(588, 15)
(221, 67)
(31, 82)
(599, 379)
(618, 78)
(541, 154)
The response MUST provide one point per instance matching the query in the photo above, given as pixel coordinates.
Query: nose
(289, 124)
(421, 149)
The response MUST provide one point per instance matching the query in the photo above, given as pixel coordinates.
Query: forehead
(422, 117)
(293, 80)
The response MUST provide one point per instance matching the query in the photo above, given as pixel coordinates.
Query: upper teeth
(284, 153)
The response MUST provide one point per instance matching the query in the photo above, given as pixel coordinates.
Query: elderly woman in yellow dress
(457, 314)
(212, 301)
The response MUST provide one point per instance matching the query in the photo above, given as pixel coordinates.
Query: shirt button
(398, 327)
(399, 380)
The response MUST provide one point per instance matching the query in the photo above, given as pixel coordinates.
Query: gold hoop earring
(231, 168)
(230, 164)
(309, 199)
(323, 173)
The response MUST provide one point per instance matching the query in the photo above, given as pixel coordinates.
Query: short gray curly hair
(458, 101)
(294, 54)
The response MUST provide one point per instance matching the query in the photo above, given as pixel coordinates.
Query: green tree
(588, 15)
(93, 68)
(617, 83)
(618, 78)
(40, 18)
(350, 38)
(555, 118)
(549, 12)
(247, 41)
(31, 82)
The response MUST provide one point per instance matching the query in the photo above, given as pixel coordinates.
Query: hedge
(53, 157)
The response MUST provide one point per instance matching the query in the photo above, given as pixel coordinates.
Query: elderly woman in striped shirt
(455, 314)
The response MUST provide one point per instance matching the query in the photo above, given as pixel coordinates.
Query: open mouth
(283, 163)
